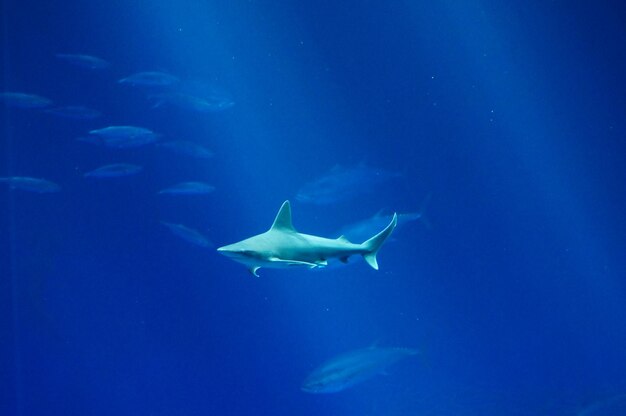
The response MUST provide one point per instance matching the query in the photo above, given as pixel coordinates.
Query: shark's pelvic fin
(373, 244)
(282, 222)
(253, 270)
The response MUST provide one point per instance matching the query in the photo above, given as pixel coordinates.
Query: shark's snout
(232, 251)
(226, 250)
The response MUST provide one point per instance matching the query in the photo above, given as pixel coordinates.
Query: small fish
(351, 368)
(188, 234)
(74, 112)
(22, 100)
(187, 148)
(26, 183)
(188, 188)
(361, 230)
(612, 406)
(150, 79)
(122, 137)
(83, 61)
(342, 183)
(192, 103)
(114, 170)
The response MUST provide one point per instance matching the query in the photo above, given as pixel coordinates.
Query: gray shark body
(283, 247)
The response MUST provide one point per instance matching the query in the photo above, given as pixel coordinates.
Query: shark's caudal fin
(373, 244)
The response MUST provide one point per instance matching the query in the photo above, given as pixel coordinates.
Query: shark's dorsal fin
(282, 222)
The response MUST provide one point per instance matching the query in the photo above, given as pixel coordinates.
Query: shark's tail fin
(373, 244)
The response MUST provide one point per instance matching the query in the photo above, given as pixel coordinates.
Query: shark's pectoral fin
(253, 270)
(289, 263)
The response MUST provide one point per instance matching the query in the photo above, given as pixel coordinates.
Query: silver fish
(188, 188)
(351, 368)
(122, 137)
(342, 183)
(150, 79)
(114, 170)
(188, 234)
(74, 112)
(83, 61)
(22, 100)
(361, 230)
(187, 148)
(613, 406)
(26, 183)
(192, 103)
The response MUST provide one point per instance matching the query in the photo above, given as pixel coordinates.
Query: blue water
(510, 114)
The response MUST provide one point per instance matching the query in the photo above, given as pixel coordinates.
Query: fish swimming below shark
(346, 370)
(283, 247)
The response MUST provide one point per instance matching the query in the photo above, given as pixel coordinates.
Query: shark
(283, 247)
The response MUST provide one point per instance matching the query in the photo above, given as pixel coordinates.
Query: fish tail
(374, 244)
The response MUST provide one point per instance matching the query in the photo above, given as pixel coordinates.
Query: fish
(26, 183)
(83, 61)
(150, 79)
(188, 234)
(114, 170)
(357, 231)
(343, 183)
(360, 230)
(122, 137)
(74, 112)
(351, 368)
(188, 188)
(612, 406)
(283, 247)
(23, 100)
(192, 103)
(187, 148)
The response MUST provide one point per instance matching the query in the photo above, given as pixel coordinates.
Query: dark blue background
(510, 113)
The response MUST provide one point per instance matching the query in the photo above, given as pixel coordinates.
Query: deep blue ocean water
(507, 117)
